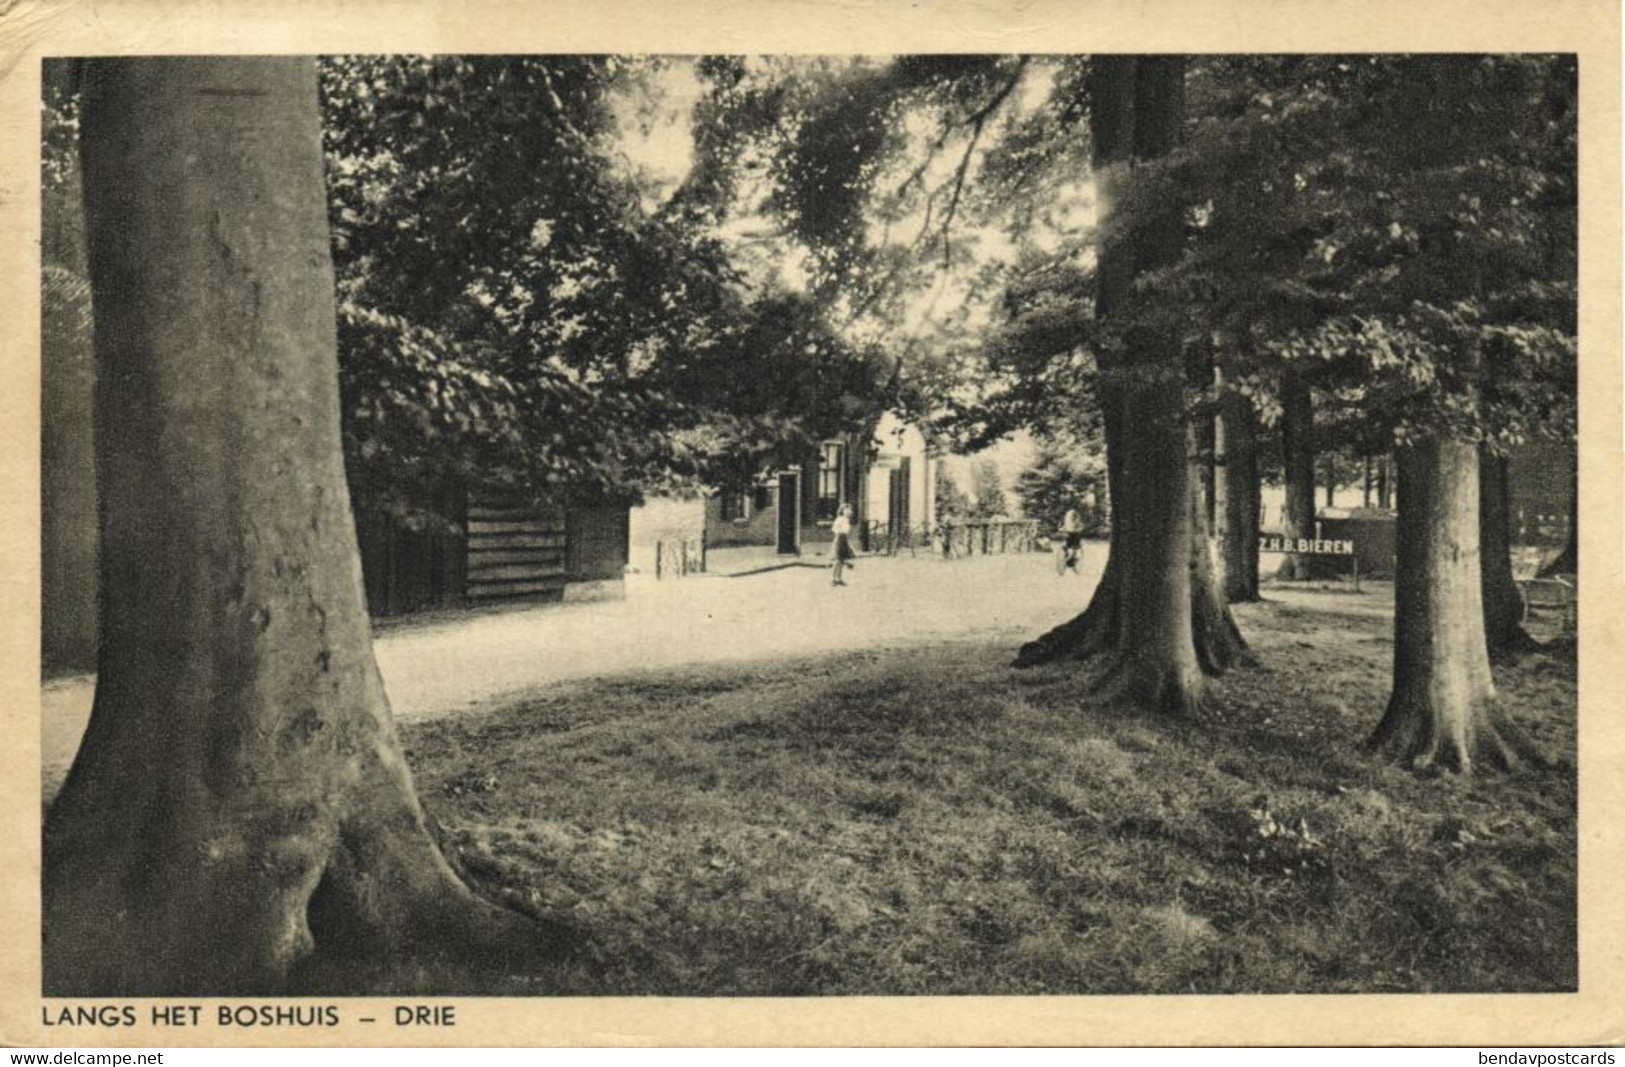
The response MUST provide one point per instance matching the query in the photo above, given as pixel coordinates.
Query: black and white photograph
(546, 524)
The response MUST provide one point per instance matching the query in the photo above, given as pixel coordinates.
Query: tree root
(1085, 635)
(1153, 686)
(459, 945)
(1413, 734)
(1219, 643)
(393, 914)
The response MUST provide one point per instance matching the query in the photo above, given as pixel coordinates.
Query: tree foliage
(952, 503)
(1402, 226)
(987, 491)
(1400, 229)
(1063, 477)
(523, 306)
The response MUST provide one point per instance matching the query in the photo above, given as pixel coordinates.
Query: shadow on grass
(932, 821)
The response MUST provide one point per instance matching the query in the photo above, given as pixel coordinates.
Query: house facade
(885, 476)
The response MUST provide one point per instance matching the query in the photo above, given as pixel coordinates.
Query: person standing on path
(842, 529)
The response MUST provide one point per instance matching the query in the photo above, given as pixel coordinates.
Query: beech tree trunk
(1159, 612)
(1298, 455)
(1442, 712)
(1156, 664)
(1503, 607)
(1238, 534)
(239, 818)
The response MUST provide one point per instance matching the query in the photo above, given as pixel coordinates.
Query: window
(831, 480)
(735, 507)
(762, 497)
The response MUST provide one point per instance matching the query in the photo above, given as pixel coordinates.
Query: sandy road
(456, 662)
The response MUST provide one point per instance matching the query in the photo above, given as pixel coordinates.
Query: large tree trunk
(239, 819)
(1503, 607)
(1238, 519)
(1442, 712)
(1298, 455)
(1159, 611)
(1156, 663)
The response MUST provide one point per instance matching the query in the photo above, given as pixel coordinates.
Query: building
(885, 476)
(505, 548)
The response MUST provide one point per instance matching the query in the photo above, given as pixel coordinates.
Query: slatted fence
(515, 549)
(890, 540)
(987, 537)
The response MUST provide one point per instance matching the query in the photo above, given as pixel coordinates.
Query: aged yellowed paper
(33, 32)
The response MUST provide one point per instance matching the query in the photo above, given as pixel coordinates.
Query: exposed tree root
(283, 918)
(1093, 631)
(317, 870)
(1153, 685)
(455, 943)
(1220, 645)
(1418, 736)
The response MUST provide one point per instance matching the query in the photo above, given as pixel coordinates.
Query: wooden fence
(885, 539)
(987, 537)
(680, 557)
(514, 549)
(970, 538)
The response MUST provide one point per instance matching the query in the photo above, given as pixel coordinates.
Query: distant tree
(1298, 451)
(502, 290)
(952, 504)
(1061, 479)
(987, 490)
(67, 385)
(1237, 487)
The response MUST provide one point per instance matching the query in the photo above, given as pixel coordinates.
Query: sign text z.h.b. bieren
(1305, 546)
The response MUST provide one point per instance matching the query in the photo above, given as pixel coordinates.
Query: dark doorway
(789, 540)
(898, 514)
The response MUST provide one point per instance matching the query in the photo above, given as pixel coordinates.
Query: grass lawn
(929, 820)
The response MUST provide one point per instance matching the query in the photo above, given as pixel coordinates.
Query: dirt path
(457, 661)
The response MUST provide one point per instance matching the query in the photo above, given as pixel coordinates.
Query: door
(899, 516)
(789, 539)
